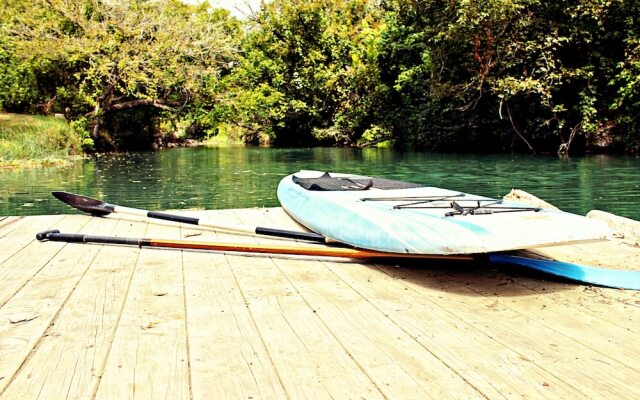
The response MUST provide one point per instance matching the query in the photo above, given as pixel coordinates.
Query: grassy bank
(33, 139)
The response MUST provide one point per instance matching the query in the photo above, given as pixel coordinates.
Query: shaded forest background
(485, 76)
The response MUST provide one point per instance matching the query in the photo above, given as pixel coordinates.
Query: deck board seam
(17, 251)
(254, 323)
(45, 263)
(257, 329)
(252, 320)
(561, 333)
(409, 334)
(38, 342)
(344, 348)
(494, 339)
(186, 320)
(98, 374)
(328, 328)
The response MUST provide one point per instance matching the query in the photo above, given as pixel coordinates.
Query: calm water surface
(214, 178)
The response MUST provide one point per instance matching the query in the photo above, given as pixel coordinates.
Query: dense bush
(512, 74)
(497, 75)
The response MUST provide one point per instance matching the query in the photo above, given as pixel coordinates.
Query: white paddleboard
(400, 217)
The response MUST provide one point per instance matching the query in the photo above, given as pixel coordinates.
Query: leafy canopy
(115, 55)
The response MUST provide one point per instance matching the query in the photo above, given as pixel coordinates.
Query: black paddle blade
(83, 203)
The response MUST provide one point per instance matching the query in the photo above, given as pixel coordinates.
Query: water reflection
(247, 177)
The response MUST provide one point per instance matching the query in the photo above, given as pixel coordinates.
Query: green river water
(215, 178)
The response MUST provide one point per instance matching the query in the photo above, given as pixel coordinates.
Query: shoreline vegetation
(505, 76)
(33, 140)
(39, 140)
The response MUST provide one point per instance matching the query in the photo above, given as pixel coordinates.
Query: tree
(308, 72)
(500, 74)
(118, 56)
(626, 82)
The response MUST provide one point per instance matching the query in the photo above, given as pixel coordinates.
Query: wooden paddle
(99, 208)
(621, 279)
(317, 251)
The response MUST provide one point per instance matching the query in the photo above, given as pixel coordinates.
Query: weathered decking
(108, 322)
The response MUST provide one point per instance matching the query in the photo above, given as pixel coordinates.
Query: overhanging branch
(130, 104)
(126, 105)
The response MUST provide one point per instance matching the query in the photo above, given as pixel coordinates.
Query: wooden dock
(111, 322)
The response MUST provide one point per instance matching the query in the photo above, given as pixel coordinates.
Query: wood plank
(581, 368)
(68, 360)
(609, 340)
(8, 223)
(612, 306)
(17, 239)
(228, 358)
(401, 366)
(11, 223)
(308, 359)
(149, 357)
(286, 327)
(30, 256)
(28, 314)
(447, 337)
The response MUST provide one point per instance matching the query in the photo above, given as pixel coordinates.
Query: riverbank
(34, 140)
(37, 140)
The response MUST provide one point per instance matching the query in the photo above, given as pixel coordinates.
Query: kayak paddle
(620, 279)
(99, 208)
(613, 278)
(317, 251)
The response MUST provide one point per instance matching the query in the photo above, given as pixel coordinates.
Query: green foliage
(103, 58)
(36, 138)
(308, 66)
(18, 86)
(81, 128)
(525, 75)
(504, 73)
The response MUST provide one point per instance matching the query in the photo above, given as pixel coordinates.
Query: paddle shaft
(258, 230)
(592, 275)
(56, 236)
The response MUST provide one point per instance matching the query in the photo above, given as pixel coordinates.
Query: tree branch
(563, 150)
(126, 105)
(513, 125)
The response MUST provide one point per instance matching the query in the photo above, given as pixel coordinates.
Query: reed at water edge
(29, 139)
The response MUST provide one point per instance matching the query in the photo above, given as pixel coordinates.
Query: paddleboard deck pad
(401, 217)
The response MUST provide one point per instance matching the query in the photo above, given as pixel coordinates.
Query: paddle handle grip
(56, 236)
(173, 217)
